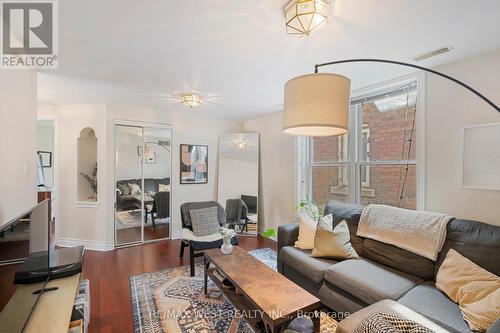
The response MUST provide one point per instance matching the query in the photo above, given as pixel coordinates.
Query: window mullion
(355, 169)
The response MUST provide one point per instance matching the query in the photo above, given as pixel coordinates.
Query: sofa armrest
(287, 235)
(495, 328)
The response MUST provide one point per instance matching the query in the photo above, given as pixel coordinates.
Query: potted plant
(92, 179)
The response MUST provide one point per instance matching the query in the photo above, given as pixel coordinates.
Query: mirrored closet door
(142, 183)
(239, 181)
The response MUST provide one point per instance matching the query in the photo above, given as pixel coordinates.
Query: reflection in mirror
(142, 172)
(157, 187)
(239, 181)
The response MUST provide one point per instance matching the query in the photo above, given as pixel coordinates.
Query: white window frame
(304, 165)
(366, 182)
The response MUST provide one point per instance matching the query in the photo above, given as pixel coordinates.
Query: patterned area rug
(170, 301)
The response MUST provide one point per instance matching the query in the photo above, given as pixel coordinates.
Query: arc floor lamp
(318, 104)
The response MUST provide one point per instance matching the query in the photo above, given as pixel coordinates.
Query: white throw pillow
(134, 189)
(307, 231)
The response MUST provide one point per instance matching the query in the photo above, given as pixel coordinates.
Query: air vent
(433, 53)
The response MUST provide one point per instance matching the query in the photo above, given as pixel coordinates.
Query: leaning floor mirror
(239, 181)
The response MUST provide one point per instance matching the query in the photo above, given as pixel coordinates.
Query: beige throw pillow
(307, 230)
(163, 188)
(476, 290)
(333, 244)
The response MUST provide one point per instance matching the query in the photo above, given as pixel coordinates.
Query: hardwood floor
(161, 230)
(109, 273)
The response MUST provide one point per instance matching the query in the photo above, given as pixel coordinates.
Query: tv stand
(44, 290)
(63, 262)
(51, 314)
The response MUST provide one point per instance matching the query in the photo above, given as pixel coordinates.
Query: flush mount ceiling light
(191, 99)
(303, 16)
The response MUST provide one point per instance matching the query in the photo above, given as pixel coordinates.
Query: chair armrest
(287, 235)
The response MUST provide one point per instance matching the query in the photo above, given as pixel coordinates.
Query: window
(377, 161)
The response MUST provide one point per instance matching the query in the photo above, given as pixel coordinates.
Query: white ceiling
(237, 51)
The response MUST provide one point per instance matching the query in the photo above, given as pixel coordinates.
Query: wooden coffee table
(264, 297)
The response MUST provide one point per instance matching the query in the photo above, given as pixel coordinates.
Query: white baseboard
(88, 244)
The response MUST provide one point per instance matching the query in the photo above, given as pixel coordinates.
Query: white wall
(93, 224)
(18, 122)
(187, 127)
(277, 171)
(449, 107)
(79, 222)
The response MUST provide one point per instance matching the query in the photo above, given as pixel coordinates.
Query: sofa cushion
(427, 300)
(370, 282)
(476, 241)
(386, 306)
(350, 213)
(300, 260)
(149, 185)
(399, 259)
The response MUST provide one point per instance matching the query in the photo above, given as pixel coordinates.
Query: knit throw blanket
(387, 323)
(419, 232)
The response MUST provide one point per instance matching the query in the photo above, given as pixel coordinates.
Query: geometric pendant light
(303, 16)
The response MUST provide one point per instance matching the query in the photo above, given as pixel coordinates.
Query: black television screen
(25, 234)
(23, 237)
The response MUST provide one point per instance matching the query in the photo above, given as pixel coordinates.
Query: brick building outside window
(377, 161)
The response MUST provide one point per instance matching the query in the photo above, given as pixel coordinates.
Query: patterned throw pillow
(388, 323)
(204, 221)
(476, 290)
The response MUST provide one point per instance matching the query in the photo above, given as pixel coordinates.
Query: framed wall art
(46, 158)
(481, 157)
(194, 164)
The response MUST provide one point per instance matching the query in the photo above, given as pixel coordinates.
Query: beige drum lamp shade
(316, 105)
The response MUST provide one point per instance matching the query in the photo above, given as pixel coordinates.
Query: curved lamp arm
(477, 93)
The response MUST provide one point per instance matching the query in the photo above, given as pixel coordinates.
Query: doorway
(46, 171)
(142, 183)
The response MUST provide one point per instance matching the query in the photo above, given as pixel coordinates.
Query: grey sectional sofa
(127, 201)
(387, 277)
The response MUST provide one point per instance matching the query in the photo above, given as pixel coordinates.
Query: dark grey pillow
(204, 221)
